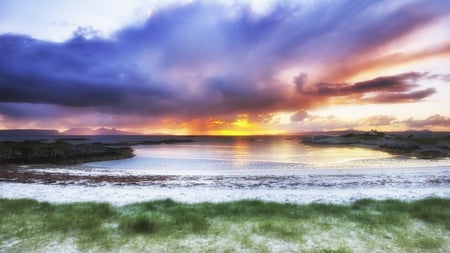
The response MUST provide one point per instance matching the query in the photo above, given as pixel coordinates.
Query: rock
(401, 147)
(328, 140)
(443, 145)
(431, 154)
(424, 148)
(59, 152)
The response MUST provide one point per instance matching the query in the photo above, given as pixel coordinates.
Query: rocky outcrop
(328, 140)
(420, 147)
(399, 147)
(431, 154)
(59, 152)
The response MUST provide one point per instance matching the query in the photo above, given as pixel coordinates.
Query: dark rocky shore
(423, 146)
(64, 152)
(59, 152)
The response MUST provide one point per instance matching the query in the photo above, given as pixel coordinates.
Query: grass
(250, 226)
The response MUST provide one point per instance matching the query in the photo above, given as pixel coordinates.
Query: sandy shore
(327, 186)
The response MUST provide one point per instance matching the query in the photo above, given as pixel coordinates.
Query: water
(231, 168)
(255, 156)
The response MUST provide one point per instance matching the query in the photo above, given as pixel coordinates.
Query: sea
(222, 168)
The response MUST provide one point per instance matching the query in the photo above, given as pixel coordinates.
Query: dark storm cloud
(386, 89)
(77, 73)
(201, 59)
(397, 83)
(26, 111)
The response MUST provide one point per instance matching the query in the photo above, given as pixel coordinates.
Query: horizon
(119, 132)
(234, 68)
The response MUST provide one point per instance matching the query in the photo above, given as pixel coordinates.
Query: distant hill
(27, 132)
(98, 131)
(336, 132)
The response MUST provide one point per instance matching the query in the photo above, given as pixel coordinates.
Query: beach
(263, 194)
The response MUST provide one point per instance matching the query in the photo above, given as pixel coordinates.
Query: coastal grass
(247, 226)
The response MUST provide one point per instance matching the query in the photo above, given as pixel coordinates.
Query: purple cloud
(402, 97)
(299, 116)
(380, 120)
(386, 89)
(432, 121)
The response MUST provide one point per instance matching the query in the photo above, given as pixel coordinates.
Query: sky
(225, 67)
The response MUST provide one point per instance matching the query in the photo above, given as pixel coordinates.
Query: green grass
(251, 226)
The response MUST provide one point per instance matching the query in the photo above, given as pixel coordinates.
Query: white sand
(322, 186)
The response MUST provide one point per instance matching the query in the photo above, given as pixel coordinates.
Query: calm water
(261, 156)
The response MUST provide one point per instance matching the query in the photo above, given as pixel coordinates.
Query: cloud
(379, 120)
(206, 59)
(432, 121)
(318, 123)
(300, 81)
(26, 111)
(402, 97)
(299, 116)
(386, 89)
(442, 77)
(386, 123)
(348, 69)
(398, 83)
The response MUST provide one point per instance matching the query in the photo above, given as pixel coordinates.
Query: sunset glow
(221, 68)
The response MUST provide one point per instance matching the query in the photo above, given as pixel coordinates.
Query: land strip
(419, 146)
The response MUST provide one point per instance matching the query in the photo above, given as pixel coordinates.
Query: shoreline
(58, 153)
(88, 175)
(67, 151)
(421, 147)
(306, 187)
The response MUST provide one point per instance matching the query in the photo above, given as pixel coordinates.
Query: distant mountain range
(98, 131)
(72, 131)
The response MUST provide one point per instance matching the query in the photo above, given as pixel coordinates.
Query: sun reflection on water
(216, 155)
